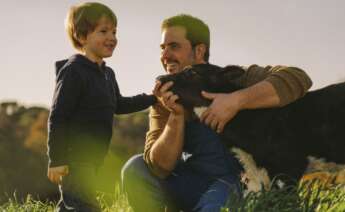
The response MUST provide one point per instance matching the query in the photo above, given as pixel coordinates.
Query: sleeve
(131, 104)
(158, 117)
(290, 83)
(67, 91)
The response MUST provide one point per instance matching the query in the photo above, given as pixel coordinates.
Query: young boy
(85, 98)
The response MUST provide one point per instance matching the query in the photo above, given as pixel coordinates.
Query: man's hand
(223, 108)
(55, 174)
(167, 98)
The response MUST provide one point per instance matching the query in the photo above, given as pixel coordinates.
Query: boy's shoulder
(59, 65)
(109, 70)
(72, 64)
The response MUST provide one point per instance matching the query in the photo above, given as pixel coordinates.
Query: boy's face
(101, 42)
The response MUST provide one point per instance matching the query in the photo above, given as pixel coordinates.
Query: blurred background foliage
(23, 159)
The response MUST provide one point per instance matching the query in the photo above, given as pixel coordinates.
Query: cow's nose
(164, 78)
(161, 78)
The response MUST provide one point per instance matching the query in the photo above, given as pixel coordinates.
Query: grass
(306, 198)
(115, 202)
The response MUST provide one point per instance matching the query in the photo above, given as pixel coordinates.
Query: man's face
(176, 50)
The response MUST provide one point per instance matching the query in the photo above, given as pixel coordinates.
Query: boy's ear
(82, 40)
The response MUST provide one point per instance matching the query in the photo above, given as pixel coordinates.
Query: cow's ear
(232, 72)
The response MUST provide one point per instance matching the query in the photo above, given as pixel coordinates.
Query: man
(205, 177)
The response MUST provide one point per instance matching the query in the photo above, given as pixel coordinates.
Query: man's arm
(164, 141)
(266, 87)
(167, 149)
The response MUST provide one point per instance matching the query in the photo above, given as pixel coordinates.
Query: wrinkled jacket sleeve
(290, 83)
(131, 104)
(67, 91)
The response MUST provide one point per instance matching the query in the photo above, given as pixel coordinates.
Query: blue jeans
(201, 181)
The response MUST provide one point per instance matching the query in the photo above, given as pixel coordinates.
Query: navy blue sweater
(85, 99)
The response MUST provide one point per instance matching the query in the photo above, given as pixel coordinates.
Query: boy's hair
(83, 19)
(197, 32)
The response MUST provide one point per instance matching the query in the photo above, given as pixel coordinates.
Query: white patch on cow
(255, 178)
(185, 156)
(199, 110)
(280, 183)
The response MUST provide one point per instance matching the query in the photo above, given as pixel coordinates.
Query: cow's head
(189, 83)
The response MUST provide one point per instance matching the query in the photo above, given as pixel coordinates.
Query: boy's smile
(101, 42)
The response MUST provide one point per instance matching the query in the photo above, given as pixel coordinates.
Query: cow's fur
(328, 173)
(279, 139)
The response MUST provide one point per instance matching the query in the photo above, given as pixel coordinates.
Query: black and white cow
(279, 139)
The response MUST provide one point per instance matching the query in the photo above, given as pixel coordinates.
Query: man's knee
(135, 166)
(142, 188)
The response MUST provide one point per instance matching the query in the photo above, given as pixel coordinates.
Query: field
(309, 198)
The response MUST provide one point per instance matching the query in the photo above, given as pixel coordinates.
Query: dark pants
(202, 181)
(78, 189)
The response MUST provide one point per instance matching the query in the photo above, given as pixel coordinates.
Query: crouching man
(184, 165)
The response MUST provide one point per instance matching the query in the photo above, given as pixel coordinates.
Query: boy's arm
(131, 104)
(134, 103)
(66, 95)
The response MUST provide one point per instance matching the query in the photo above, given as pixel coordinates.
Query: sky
(309, 34)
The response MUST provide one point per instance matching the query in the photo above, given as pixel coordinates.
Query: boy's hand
(55, 174)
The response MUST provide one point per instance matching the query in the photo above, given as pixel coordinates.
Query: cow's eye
(184, 76)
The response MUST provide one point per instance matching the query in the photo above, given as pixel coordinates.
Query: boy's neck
(93, 58)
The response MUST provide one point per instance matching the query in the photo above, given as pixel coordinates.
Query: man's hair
(197, 32)
(83, 18)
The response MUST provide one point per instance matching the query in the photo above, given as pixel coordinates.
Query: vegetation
(24, 185)
(23, 160)
(294, 199)
(304, 198)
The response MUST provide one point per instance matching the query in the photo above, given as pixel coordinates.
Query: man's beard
(180, 68)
